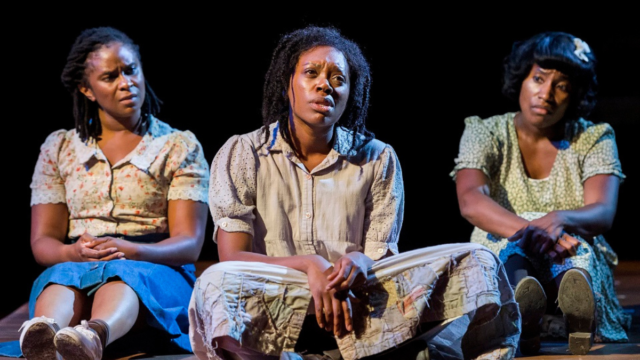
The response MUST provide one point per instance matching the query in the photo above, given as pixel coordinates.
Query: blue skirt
(164, 290)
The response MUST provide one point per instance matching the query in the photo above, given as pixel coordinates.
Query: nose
(324, 85)
(546, 91)
(126, 82)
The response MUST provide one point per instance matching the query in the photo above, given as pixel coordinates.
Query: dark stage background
(429, 73)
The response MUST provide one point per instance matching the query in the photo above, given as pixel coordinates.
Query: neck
(534, 133)
(132, 124)
(310, 141)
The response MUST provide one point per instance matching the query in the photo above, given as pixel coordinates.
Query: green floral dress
(491, 145)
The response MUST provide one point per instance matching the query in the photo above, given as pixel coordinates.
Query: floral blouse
(128, 198)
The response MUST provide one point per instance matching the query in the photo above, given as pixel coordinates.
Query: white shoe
(36, 339)
(79, 343)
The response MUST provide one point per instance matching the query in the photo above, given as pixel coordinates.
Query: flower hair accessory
(581, 49)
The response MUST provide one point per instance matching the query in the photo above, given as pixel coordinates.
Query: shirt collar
(141, 157)
(341, 145)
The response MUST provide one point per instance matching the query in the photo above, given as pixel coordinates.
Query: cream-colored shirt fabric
(352, 201)
(128, 198)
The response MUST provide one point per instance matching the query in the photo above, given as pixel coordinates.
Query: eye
(564, 87)
(109, 77)
(339, 80)
(538, 78)
(131, 70)
(310, 71)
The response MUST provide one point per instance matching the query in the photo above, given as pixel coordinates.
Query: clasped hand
(546, 235)
(331, 290)
(91, 248)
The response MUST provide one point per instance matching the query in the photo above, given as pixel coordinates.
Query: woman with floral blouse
(119, 209)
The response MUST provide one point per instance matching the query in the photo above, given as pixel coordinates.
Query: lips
(542, 109)
(323, 102)
(129, 97)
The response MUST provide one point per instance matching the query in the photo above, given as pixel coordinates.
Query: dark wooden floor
(627, 277)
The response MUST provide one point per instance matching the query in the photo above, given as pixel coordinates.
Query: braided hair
(85, 112)
(559, 51)
(275, 101)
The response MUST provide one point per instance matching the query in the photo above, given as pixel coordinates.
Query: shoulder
(242, 144)
(496, 122)
(587, 128)
(184, 138)
(374, 150)
(58, 139)
(585, 133)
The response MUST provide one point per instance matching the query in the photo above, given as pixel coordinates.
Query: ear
(87, 92)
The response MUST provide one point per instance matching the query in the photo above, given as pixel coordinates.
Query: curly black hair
(554, 50)
(275, 101)
(74, 74)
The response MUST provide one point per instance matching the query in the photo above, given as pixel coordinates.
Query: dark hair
(275, 100)
(554, 50)
(74, 73)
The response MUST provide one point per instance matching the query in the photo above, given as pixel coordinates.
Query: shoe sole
(37, 343)
(575, 299)
(532, 302)
(70, 347)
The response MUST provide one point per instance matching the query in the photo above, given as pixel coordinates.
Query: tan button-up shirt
(352, 201)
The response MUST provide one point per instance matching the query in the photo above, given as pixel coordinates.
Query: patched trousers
(262, 306)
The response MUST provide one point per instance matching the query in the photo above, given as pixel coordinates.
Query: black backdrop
(429, 72)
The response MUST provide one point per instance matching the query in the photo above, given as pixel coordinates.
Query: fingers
(347, 312)
(114, 256)
(99, 254)
(517, 235)
(568, 245)
(342, 313)
(342, 280)
(319, 307)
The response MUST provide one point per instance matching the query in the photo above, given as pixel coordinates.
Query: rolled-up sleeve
(385, 207)
(232, 187)
(47, 186)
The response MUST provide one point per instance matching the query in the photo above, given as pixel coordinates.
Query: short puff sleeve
(232, 186)
(601, 152)
(478, 147)
(47, 186)
(190, 179)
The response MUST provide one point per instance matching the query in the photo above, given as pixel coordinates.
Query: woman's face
(114, 79)
(319, 88)
(544, 96)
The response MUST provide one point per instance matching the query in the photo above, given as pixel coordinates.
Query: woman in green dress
(540, 186)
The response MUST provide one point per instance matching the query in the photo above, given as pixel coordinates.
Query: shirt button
(380, 251)
(307, 215)
(224, 224)
(308, 176)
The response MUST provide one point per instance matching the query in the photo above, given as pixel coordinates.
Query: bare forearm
(588, 221)
(48, 251)
(174, 251)
(483, 212)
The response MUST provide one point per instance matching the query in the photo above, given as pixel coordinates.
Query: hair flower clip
(581, 49)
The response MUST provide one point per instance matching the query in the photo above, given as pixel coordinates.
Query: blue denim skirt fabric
(164, 290)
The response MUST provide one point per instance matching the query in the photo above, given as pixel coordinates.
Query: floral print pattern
(588, 149)
(128, 198)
